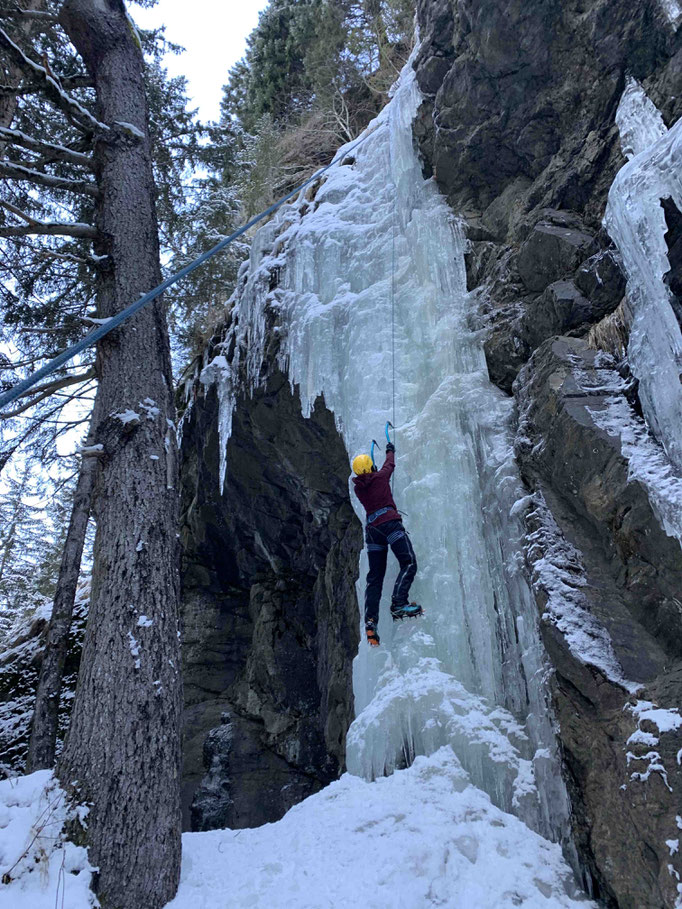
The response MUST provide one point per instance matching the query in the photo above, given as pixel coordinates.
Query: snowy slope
(421, 837)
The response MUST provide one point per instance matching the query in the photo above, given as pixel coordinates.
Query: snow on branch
(45, 228)
(55, 152)
(79, 115)
(19, 172)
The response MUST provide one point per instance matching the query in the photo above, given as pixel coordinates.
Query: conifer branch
(45, 228)
(19, 172)
(52, 151)
(78, 115)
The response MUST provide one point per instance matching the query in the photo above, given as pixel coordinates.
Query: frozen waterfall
(471, 674)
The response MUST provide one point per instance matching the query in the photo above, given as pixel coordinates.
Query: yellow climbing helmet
(362, 464)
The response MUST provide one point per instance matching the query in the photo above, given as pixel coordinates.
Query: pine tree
(84, 139)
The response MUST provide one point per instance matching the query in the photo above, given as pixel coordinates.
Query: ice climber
(384, 529)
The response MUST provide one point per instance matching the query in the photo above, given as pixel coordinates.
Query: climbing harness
(102, 330)
(371, 518)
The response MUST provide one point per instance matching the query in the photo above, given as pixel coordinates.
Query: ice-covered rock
(636, 221)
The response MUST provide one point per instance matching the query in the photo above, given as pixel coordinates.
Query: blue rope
(22, 387)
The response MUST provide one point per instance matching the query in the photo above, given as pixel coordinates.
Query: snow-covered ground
(419, 838)
(37, 869)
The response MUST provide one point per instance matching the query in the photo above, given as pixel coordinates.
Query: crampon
(408, 611)
(372, 636)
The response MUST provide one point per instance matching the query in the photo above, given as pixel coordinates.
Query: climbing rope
(395, 191)
(115, 321)
(393, 225)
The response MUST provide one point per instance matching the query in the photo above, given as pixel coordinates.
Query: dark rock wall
(518, 129)
(269, 608)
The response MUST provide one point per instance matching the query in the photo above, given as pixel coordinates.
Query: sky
(213, 32)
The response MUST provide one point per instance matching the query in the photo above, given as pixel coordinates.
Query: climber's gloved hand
(390, 447)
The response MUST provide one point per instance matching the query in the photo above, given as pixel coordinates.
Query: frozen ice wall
(636, 222)
(371, 261)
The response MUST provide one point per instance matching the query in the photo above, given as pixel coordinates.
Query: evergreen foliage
(48, 280)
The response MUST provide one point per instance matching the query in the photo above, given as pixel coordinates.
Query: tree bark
(41, 748)
(122, 752)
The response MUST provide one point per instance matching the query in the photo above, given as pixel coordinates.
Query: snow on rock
(558, 574)
(421, 837)
(647, 460)
(39, 869)
(19, 665)
(663, 721)
(673, 10)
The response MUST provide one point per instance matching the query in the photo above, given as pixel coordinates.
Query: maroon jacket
(374, 491)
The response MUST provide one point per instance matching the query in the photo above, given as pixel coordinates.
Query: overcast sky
(214, 34)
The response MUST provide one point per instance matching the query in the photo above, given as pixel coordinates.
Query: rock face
(518, 129)
(622, 770)
(269, 608)
(19, 670)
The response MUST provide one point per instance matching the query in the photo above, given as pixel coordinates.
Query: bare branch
(45, 228)
(45, 391)
(52, 151)
(92, 262)
(79, 115)
(17, 211)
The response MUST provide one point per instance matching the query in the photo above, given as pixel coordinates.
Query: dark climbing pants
(393, 534)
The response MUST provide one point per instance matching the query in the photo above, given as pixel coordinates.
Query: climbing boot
(406, 611)
(371, 632)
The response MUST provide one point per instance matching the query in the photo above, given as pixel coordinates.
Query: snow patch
(127, 417)
(134, 649)
(150, 409)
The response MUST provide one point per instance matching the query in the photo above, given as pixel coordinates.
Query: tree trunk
(122, 752)
(41, 749)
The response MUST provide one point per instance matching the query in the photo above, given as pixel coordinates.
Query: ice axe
(386, 428)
